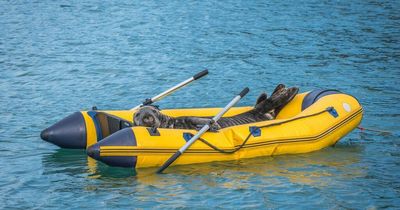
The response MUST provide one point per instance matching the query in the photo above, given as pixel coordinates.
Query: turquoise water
(60, 57)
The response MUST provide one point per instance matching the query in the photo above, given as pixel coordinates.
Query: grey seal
(265, 109)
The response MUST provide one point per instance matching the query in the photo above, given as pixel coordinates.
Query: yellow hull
(294, 131)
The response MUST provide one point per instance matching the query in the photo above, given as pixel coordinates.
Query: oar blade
(169, 162)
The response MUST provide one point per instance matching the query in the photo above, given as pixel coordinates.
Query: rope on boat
(329, 109)
(374, 130)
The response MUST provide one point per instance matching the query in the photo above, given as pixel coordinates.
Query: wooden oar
(202, 131)
(171, 90)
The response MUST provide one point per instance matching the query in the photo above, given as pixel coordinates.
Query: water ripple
(57, 58)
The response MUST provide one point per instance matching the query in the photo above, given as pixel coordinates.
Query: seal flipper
(278, 88)
(265, 105)
(261, 98)
(286, 98)
(280, 97)
(264, 96)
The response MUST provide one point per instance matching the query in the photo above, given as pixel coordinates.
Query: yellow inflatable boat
(310, 122)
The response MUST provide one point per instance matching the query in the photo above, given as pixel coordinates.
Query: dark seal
(265, 109)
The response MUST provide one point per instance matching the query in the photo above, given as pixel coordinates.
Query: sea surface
(58, 57)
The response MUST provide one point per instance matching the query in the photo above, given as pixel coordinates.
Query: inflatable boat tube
(310, 122)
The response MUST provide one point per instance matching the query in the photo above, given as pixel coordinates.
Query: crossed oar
(205, 128)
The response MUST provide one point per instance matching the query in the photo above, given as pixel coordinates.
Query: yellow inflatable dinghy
(310, 122)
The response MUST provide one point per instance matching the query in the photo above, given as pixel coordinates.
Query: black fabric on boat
(110, 124)
(315, 95)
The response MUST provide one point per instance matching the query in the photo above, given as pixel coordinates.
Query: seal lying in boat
(265, 109)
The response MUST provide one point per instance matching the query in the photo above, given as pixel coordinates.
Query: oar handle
(244, 92)
(172, 89)
(200, 74)
(202, 131)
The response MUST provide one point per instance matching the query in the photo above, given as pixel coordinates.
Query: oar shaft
(137, 107)
(206, 127)
(226, 108)
(194, 138)
(231, 104)
(172, 89)
(202, 131)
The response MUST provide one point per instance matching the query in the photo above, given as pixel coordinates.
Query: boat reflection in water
(316, 168)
